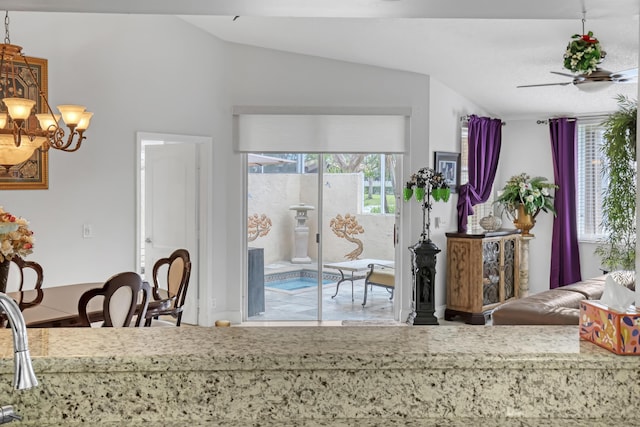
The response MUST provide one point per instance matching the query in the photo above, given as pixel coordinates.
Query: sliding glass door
(282, 224)
(313, 222)
(358, 219)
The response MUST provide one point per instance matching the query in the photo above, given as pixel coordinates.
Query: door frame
(319, 203)
(202, 202)
(403, 292)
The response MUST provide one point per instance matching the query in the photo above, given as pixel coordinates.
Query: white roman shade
(322, 133)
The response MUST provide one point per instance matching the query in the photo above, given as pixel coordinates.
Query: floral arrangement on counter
(531, 193)
(583, 54)
(15, 236)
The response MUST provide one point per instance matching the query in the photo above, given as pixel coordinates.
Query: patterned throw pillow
(625, 277)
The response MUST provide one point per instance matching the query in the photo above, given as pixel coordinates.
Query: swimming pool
(297, 280)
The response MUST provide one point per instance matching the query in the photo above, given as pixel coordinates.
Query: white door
(170, 215)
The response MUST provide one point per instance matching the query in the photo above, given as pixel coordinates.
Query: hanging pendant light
(21, 130)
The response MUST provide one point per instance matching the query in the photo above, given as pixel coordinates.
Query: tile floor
(303, 305)
(294, 308)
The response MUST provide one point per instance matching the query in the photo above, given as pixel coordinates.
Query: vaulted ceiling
(483, 50)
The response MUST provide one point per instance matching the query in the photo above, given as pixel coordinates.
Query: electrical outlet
(87, 231)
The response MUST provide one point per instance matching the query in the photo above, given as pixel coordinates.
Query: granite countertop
(357, 347)
(319, 376)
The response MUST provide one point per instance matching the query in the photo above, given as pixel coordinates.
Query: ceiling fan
(582, 56)
(596, 78)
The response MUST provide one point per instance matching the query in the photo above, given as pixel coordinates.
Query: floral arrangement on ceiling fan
(583, 53)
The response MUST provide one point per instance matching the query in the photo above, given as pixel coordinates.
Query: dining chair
(122, 300)
(29, 281)
(30, 270)
(169, 293)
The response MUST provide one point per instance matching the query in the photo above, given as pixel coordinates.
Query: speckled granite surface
(428, 375)
(423, 422)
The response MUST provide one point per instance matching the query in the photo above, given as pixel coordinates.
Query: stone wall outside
(274, 194)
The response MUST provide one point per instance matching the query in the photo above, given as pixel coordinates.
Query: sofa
(560, 306)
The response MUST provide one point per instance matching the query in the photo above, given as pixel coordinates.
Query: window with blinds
(483, 209)
(590, 181)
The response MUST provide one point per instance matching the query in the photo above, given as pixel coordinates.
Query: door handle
(147, 240)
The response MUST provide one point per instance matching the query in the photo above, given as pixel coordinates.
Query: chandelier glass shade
(12, 155)
(23, 129)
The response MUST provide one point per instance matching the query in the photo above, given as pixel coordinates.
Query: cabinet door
(464, 275)
(510, 267)
(491, 266)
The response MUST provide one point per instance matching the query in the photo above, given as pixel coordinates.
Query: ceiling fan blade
(564, 74)
(625, 75)
(547, 84)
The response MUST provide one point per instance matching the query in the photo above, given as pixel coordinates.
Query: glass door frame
(319, 232)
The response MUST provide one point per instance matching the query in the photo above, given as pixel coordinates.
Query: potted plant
(523, 198)
(618, 249)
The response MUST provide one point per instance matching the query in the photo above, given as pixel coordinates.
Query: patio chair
(379, 275)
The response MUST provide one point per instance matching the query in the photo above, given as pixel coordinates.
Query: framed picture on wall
(32, 174)
(449, 165)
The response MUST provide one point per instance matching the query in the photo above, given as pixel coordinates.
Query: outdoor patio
(302, 304)
(284, 226)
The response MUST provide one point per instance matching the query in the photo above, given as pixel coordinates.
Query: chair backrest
(30, 270)
(121, 294)
(178, 266)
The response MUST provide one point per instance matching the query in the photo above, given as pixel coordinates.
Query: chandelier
(22, 130)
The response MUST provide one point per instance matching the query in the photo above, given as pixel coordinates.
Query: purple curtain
(485, 139)
(565, 257)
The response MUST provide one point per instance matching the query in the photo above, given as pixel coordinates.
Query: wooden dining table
(57, 306)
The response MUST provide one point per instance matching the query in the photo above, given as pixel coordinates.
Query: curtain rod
(466, 119)
(587, 117)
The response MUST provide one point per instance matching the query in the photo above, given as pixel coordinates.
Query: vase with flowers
(15, 240)
(523, 198)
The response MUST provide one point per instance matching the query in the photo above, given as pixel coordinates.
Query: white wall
(136, 73)
(447, 106)
(526, 147)
(158, 74)
(271, 78)
(272, 194)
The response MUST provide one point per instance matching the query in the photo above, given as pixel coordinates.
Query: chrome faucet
(24, 377)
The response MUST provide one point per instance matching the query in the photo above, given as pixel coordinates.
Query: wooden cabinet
(482, 273)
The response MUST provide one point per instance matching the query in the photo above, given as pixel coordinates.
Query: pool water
(294, 284)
